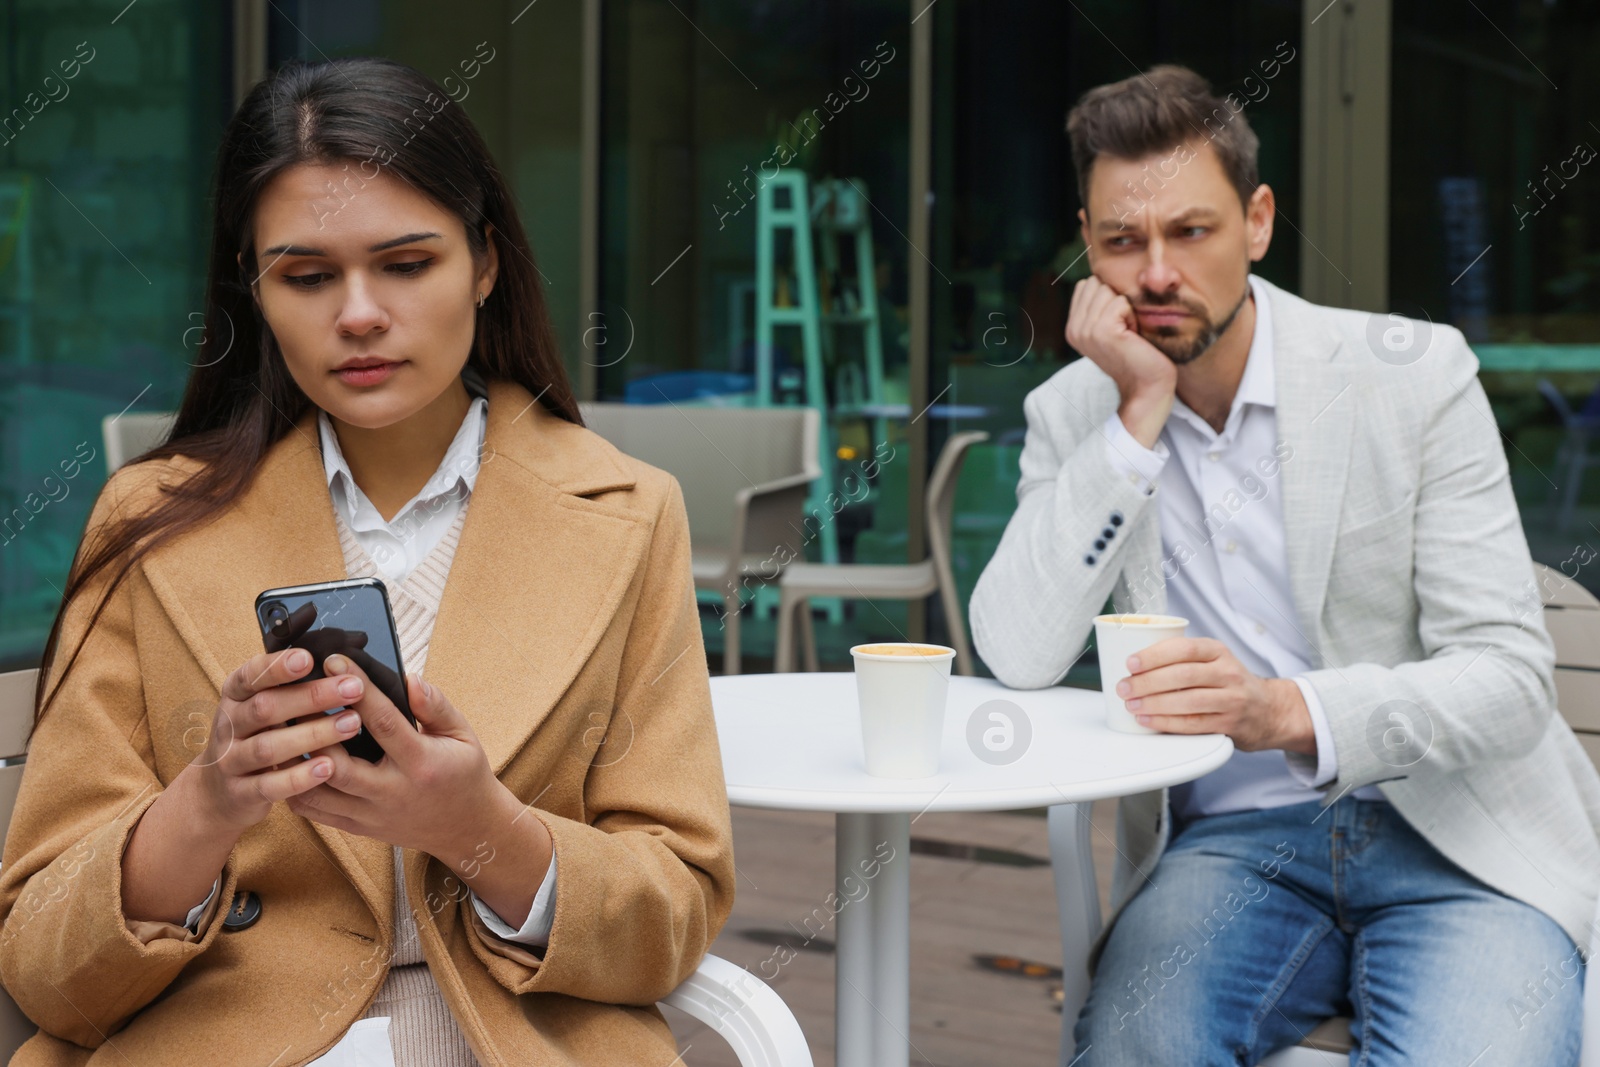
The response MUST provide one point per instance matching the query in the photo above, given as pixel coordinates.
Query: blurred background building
(1432, 159)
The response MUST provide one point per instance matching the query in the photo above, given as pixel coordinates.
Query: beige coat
(568, 635)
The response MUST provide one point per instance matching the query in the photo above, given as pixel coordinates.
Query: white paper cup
(1117, 637)
(903, 696)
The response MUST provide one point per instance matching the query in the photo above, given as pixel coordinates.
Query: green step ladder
(823, 212)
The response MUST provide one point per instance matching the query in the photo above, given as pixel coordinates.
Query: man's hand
(1194, 685)
(1102, 326)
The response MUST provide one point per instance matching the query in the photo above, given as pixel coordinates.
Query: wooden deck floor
(962, 1015)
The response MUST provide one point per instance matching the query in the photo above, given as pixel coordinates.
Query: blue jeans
(1258, 925)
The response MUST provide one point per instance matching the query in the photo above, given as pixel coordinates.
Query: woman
(548, 853)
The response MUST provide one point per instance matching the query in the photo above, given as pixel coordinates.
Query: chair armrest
(769, 517)
(745, 1011)
(744, 496)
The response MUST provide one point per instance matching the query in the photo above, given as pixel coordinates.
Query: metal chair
(1572, 615)
(745, 475)
(1573, 456)
(885, 581)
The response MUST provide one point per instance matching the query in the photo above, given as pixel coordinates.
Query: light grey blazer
(1411, 580)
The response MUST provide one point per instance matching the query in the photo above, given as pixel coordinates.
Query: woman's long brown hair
(372, 114)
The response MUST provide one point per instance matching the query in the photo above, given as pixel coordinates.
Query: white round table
(793, 742)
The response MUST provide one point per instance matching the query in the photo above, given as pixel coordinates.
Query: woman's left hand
(434, 789)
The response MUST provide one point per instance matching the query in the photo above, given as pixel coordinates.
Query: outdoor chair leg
(783, 650)
(732, 607)
(808, 634)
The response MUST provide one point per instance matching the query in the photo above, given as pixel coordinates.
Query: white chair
(745, 474)
(1572, 615)
(885, 581)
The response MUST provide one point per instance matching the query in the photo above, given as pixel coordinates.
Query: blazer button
(1109, 532)
(243, 914)
(1100, 546)
(1116, 518)
(1089, 560)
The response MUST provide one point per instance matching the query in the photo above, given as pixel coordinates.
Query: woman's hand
(251, 759)
(433, 791)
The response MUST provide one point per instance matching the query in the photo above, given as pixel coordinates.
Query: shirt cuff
(200, 908)
(536, 928)
(1140, 465)
(1327, 759)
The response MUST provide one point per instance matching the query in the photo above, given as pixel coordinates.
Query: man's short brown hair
(1158, 111)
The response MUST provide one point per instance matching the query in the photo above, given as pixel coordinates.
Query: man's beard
(1167, 338)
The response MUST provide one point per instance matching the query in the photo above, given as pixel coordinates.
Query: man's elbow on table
(1012, 663)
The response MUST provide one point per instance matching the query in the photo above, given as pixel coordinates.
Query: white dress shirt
(1222, 526)
(397, 547)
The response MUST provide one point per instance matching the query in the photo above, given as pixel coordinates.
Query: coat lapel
(537, 576)
(1316, 409)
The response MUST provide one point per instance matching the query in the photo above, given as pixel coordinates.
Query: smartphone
(351, 617)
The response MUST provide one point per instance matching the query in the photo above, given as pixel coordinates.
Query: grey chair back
(132, 434)
(941, 500)
(714, 453)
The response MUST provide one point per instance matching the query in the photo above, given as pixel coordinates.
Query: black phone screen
(351, 618)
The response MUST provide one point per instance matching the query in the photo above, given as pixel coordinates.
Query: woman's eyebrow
(303, 250)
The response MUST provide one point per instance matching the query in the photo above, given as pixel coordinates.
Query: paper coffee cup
(1117, 637)
(903, 687)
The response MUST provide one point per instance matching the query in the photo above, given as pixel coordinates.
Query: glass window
(721, 122)
(1007, 250)
(115, 111)
(518, 75)
(1494, 200)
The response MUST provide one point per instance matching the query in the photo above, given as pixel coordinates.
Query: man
(1406, 833)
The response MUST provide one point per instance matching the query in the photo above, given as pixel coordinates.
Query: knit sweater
(422, 1031)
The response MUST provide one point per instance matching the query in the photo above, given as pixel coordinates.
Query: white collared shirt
(397, 547)
(1222, 526)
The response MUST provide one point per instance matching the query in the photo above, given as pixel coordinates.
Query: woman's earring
(481, 298)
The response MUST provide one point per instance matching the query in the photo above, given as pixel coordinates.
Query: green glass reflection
(112, 116)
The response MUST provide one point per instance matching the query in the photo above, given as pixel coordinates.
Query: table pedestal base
(872, 995)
